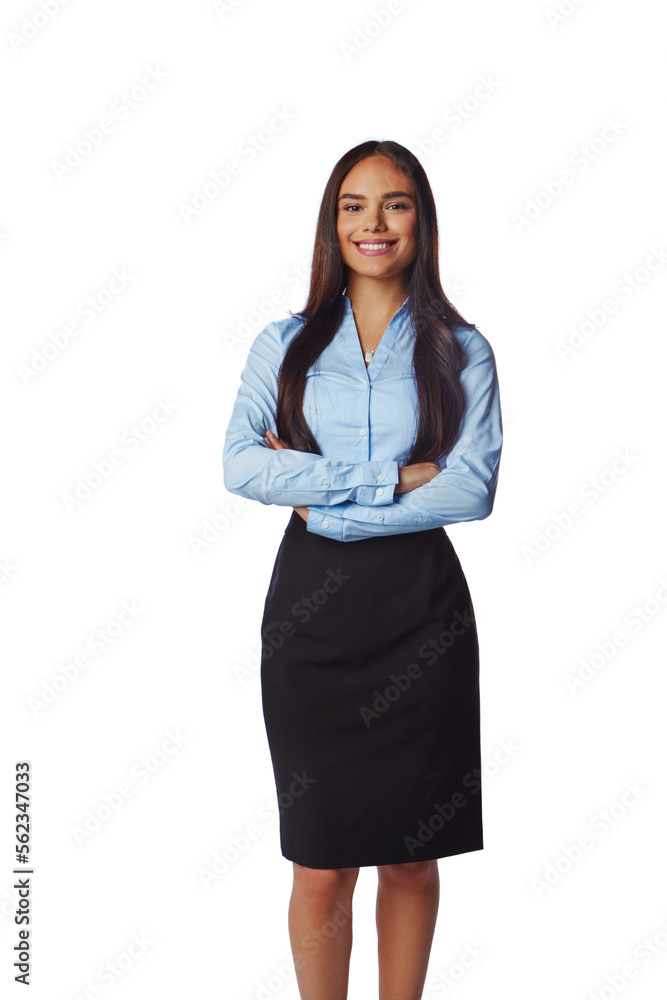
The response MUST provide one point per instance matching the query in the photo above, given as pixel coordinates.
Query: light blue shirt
(364, 420)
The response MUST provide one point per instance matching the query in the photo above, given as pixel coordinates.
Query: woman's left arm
(464, 490)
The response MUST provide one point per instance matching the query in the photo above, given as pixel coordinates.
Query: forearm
(417, 510)
(293, 478)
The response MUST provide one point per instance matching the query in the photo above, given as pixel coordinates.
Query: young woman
(375, 414)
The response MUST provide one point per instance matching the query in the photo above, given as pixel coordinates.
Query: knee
(411, 873)
(325, 883)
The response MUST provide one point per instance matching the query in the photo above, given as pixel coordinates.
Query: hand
(273, 441)
(412, 476)
(277, 444)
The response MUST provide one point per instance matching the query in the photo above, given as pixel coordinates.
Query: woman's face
(377, 205)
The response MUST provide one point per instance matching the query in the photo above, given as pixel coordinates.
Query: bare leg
(320, 929)
(406, 913)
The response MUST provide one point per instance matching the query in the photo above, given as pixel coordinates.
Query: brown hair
(437, 355)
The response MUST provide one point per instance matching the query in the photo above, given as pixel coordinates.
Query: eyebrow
(385, 194)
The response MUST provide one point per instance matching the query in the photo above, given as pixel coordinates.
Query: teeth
(374, 246)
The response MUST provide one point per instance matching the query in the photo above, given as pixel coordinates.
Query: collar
(351, 335)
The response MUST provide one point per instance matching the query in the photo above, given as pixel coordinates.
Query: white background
(161, 534)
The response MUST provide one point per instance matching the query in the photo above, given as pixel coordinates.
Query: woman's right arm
(287, 477)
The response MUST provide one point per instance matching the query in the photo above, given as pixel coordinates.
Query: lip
(375, 253)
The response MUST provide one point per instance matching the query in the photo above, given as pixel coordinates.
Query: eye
(396, 204)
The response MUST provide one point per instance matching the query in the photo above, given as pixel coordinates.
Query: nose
(374, 221)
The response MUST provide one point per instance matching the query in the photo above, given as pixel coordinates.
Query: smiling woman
(375, 414)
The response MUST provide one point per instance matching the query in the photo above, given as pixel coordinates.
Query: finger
(274, 441)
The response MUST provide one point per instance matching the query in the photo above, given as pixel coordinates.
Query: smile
(373, 249)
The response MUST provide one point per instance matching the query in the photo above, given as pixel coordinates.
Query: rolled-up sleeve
(284, 476)
(465, 488)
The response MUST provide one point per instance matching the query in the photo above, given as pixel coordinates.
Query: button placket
(395, 325)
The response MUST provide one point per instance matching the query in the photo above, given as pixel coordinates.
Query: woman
(375, 414)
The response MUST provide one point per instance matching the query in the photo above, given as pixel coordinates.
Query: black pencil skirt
(370, 696)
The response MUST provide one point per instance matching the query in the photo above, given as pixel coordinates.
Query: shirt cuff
(320, 522)
(380, 479)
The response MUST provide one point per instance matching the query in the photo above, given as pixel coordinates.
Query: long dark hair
(437, 355)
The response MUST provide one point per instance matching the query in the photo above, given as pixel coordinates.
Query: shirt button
(381, 476)
(327, 508)
(379, 490)
(325, 524)
(379, 517)
(325, 483)
(361, 430)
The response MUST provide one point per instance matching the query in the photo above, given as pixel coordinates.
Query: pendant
(368, 356)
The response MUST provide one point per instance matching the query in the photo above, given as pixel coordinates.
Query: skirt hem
(372, 864)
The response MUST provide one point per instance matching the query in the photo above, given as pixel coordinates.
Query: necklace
(368, 355)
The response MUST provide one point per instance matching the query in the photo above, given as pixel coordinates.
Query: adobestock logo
(429, 651)
(221, 178)
(32, 24)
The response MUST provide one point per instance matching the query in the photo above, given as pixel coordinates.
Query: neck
(375, 297)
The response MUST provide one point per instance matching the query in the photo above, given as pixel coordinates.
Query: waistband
(297, 528)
